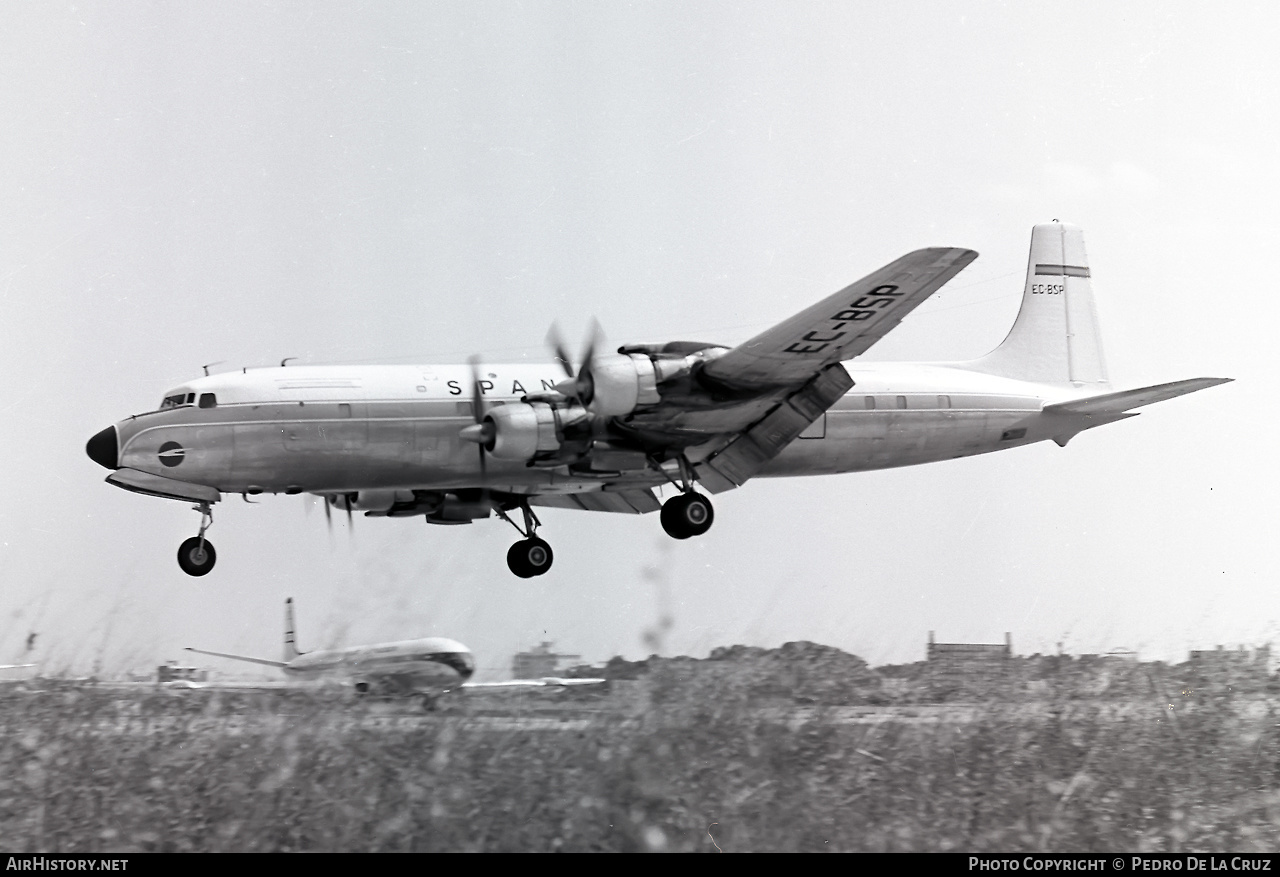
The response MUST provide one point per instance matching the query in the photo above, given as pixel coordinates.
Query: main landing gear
(688, 513)
(530, 556)
(196, 555)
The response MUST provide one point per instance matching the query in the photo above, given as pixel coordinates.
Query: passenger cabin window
(944, 401)
(870, 402)
(208, 400)
(902, 401)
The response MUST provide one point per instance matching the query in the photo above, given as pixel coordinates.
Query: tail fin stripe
(1058, 270)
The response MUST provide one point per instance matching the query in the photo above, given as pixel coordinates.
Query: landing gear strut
(530, 556)
(689, 513)
(196, 555)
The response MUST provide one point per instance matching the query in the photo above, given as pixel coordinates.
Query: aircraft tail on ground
(1056, 338)
(290, 643)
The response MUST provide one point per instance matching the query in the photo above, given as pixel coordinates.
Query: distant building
(538, 662)
(171, 672)
(1231, 666)
(967, 665)
(940, 654)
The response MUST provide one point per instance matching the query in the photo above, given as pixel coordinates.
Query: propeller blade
(478, 433)
(593, 341)
(556, 343)
(477, 394)
(586, 384)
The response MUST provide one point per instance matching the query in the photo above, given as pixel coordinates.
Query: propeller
(328, 500)
(480, 432)
(580, 386)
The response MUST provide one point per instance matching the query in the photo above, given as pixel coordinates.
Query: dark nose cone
(104, 449)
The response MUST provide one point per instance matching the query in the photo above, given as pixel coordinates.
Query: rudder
(1056, 337)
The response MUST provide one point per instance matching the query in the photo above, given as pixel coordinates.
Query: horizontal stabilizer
(239, 658)
(1116, 403)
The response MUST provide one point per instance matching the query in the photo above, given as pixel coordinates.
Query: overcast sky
(188, 183)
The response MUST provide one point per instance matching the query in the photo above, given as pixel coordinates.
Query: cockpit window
(463, 663)
(177, 400)
(208, 400)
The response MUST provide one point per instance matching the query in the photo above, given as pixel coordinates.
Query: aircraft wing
(750, 402)
(841, 326)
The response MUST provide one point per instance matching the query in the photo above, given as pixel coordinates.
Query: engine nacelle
(522, 430)
(529, 430)
(454, 510)
(619, 383)
(370, 500)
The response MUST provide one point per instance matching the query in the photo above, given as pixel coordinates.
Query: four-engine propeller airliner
(428, 668)
(457, 443)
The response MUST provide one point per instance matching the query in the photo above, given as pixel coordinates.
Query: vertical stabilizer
(290, 643)
(1056, 338)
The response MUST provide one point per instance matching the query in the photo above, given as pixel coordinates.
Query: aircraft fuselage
(432, 664)
(329, 429)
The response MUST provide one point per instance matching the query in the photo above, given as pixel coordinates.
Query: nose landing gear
(530, 556)
(196, 555)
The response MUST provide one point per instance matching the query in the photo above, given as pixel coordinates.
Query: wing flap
(629, 502)
(841, 326)
(747, 454)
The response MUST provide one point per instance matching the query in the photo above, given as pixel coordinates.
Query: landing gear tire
(196, 556)
(529, 557)
(689, 514)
